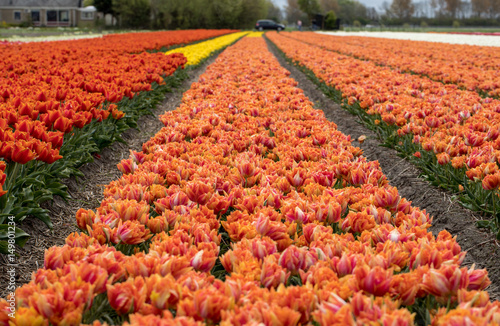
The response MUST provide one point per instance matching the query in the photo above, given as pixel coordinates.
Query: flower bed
(198, 52)
(452, 134)
(474, 68)
(71, 99)
(250, 207)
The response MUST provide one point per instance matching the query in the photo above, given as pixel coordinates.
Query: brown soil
(481, 246)
(86, 192)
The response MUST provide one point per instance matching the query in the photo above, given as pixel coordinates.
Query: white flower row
(484, 40)
(16, 38)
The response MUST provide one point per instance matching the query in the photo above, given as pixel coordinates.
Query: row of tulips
(250, 208)
(197, 53)
(71, 99)
(474, 68)
(453, 134)
(48, 90)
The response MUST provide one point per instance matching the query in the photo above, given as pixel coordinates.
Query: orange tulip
(204, 261)
(445, 281)
(374, 281)
(101, 232)
(491, 182)
(28, 317)
(132, 232)
(127, 297)
(478, 279)
(164, 293)
(273, 274)
(358, 222)
(206, 304)
(199, 192)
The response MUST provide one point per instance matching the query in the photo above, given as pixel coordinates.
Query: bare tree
(372, 14)
(327, 5)
(310, 7)
(494, 8)
(453, 6)
(402, 9)
(480, 7)
(293, 12)
(438, 7)
(273, 11)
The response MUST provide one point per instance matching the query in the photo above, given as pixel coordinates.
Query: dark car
(268, 24)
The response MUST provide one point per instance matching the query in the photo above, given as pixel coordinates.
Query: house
(49, 13)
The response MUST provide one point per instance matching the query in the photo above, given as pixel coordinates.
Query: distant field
(484, 40)
(423, 29)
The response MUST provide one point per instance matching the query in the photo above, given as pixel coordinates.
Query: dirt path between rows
(481, 246)
(87, 192)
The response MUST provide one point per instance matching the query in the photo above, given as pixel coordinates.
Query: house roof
(41, 3)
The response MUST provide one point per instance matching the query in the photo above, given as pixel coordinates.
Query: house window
(63, 16)
(17, 15)
(51, 15)
(35, 16)
(87, 15)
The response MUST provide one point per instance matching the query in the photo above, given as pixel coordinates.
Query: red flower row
(473, 68)
(46, 89)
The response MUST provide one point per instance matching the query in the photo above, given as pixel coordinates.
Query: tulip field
(445, 120)
(248, 207)
(59, 104)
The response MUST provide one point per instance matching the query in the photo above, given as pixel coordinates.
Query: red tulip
(21, 154)
(63, 124)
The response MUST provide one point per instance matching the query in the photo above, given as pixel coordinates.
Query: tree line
(187, 14)
(401, 12)
(242, 14)
(443, 12)
(348, 11)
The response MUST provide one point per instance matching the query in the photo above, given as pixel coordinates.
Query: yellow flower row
(255, 34)
(197, 52)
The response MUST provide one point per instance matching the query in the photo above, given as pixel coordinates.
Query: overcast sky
(368, 3)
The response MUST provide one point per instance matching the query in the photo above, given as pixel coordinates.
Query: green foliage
(104, 6)
(424, 24)
(10, 235)
(225, 13)
(456, 24)
(186, 14)
(251, 11)
(132, 13)
(273, 12)
(182, 14)
(351, 10)
(330, 20)
(310, 7)
(356, 23)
